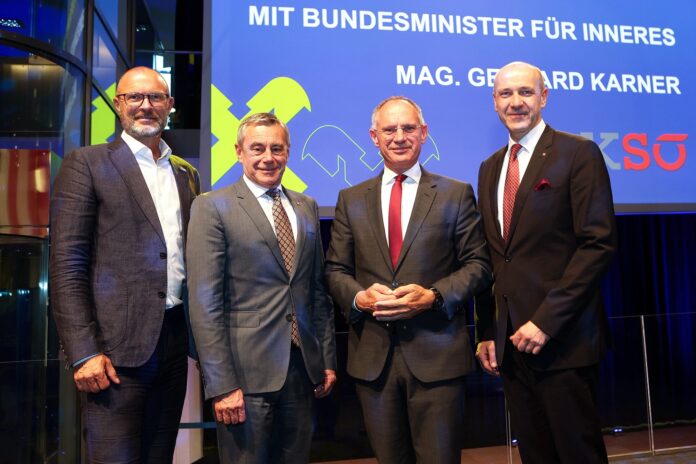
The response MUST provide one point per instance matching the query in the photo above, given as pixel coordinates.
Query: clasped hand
(388, 304)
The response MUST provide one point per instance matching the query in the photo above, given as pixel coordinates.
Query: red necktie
(395, 238)
(512, 183)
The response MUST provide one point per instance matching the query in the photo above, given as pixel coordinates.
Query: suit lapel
(250, 205)
(497, 162)
(128, 168)
(424, 200)
(373, 203)
(185, 193)
(539, 157)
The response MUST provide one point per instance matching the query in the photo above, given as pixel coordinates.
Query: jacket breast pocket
(248, 319)
(545, 202)
(433, 233)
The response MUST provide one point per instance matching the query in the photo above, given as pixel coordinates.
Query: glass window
(107, 65)
(28, 375)
(58, 22)
(114, 14)
(41, 103)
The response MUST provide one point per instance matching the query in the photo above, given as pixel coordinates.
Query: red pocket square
(543, 184)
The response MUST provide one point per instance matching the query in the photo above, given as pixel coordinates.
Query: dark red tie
(395, 238)
(512, 183)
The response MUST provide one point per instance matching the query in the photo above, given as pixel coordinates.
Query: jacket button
(288, 317)
(163, 255)
(505, 296)
(508, 259)
(395, 284)
(161, 294)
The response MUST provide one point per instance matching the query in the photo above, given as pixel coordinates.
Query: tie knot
(400, 178)
(273, 193)
(514, 150)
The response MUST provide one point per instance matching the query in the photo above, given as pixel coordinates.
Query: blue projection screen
(620, 73)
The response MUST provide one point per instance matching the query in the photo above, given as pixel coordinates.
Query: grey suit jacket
(562, 238)
(443, 248)
(108, 264)
(241, 296)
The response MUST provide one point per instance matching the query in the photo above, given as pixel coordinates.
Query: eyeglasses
(407, 129)
(137, 99)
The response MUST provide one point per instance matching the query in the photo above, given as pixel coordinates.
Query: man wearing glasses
(406, 255)
(119, 213)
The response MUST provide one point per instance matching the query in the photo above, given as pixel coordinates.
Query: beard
(147, 131)
(136, 130)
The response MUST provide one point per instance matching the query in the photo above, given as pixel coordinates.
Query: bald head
(140, 75)
(520, 67)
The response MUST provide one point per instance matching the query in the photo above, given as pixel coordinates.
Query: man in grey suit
(260, 314)
(406, 255)
(118, 224)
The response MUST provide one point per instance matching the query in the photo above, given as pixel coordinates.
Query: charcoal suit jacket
(108, 265)
(443, 248)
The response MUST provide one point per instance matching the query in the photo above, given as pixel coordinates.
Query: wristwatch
(439, 301)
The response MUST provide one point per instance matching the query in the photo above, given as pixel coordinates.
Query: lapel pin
(543, 154)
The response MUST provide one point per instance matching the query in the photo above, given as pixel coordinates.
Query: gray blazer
(241, 295)
(443, 248)
(108, 264)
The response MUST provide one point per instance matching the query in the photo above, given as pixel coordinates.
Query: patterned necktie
(396, 239)
(286, 241)
(512, 183)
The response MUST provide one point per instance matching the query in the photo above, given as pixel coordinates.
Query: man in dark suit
(406, 255)
(118, 222)
(260, 314)
(547, 211)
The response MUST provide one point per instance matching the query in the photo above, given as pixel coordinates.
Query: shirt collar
(142, 151)
(413, 174)
(259, 190)
(530, 139)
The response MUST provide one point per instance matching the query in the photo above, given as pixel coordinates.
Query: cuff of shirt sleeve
(355, 313)
(86, 358)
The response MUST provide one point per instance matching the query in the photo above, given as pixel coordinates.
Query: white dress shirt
(266, 203)
(524, 156)
(409, 187)
(161, 183)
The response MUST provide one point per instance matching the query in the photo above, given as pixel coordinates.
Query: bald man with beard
(119, 213)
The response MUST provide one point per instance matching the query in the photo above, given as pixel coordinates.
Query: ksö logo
(668, 151)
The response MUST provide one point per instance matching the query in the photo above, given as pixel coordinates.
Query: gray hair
(261, 119)
(401, 98)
